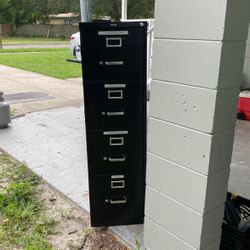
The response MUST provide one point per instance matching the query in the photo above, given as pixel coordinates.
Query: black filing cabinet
(114, 79)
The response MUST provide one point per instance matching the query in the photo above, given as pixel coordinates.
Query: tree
(140, 9)
(5, 11)
(136, 8)
(18, 12)
(63, 6)
(40, 10)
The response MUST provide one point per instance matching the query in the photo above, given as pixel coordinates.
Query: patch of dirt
(73, 231)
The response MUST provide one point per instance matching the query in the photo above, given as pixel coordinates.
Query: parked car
(75, 46)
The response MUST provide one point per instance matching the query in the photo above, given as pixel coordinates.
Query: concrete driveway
(29, 92)
(239, 181)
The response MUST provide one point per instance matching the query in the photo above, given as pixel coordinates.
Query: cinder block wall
(198, 59)
(246, 73)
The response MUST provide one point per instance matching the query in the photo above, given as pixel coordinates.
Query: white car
(75, 46)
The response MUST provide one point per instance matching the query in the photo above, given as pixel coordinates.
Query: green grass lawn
(34, 40)
(50, 62)
(23, 220)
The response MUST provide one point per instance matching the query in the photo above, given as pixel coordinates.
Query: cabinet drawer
(119, 151)
(125, 161)
(113, 54)
(114, 144)
(118, 118)
(116, 198)
(115, 105)
(116, 94)
(113, 68)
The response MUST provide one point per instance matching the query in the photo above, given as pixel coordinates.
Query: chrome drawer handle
(115, 94)
(115, 132)
(113, 86)
(115, 113)
(114, 63)
(116, 141)
(113, 202)
(118, 184)
(113, 33)
(113, 42)
(122, 159)
(115, 177)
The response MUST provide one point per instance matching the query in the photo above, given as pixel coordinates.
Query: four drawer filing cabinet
(114, 76)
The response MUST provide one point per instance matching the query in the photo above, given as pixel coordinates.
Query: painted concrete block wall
(204, 20)
(246, 73)
(198, 60)
(192, 107)
(204, 64)
(163, 239)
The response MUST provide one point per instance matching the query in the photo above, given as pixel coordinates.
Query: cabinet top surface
(113, 25)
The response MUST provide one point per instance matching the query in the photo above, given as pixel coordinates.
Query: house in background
(64, 19)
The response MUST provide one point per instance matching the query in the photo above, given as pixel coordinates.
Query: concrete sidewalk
(29, 92)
